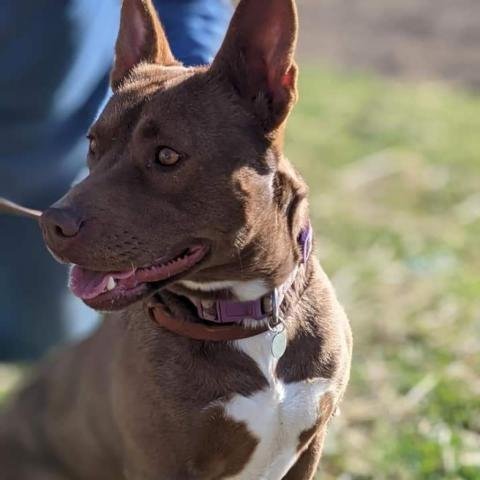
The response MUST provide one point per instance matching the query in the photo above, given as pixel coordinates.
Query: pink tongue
(87, 284)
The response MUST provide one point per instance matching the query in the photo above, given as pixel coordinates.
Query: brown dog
(227, 351)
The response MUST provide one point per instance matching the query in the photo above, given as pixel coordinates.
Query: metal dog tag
(279, 343)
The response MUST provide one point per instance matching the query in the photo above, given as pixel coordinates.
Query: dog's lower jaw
(108, 291)
(241, 290)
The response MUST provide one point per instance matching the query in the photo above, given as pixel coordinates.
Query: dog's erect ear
(141, 38)
(257, 57)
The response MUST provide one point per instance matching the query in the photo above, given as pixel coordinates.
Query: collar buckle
(266, 307)
(235, 312)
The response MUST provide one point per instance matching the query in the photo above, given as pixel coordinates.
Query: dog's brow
(121, 110)
(149, 129)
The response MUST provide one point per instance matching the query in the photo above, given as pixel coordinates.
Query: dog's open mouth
(115, 290)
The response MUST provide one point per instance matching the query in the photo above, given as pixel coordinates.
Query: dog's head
(187, 179)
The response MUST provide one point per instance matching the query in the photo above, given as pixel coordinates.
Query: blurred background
(387, 134)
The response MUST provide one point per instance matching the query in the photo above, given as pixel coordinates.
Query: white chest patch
(275, 416)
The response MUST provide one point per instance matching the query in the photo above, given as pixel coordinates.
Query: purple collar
(230, 311)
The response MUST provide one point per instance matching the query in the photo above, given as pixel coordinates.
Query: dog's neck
(250, 290)
(250, 297)
(229, 314)
(179, 313)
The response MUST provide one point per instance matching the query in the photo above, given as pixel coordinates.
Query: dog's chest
(275, 416)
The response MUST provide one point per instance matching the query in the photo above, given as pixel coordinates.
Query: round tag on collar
(279, 344)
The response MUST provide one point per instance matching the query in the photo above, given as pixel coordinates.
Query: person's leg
(55, 58)
(195, 28)
(28, 279)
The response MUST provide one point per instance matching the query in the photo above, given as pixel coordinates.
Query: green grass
(395, 174)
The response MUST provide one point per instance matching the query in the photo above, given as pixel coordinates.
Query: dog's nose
(60, 223)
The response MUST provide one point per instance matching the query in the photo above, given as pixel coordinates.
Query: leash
(11, 208)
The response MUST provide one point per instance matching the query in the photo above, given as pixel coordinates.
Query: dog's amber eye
(166, 156)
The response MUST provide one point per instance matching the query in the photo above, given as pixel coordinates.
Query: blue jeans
(56, 57)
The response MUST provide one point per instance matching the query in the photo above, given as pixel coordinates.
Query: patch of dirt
(412, 39)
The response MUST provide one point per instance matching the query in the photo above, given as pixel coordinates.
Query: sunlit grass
(394, 173)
